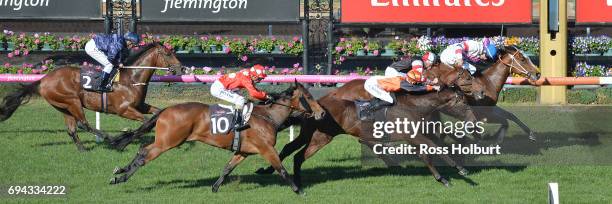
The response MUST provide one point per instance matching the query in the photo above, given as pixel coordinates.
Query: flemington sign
(50, 9)
(594, 11)
(221, 10)
(436, 11)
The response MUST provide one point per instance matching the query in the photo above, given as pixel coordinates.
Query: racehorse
(191, 121)
(62, 89)
(492, 79)
(342, 118)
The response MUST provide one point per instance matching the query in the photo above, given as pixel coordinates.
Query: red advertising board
(594, 11)
(436, 11)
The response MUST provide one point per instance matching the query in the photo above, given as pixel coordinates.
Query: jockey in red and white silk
(470, 51)
(226, 86)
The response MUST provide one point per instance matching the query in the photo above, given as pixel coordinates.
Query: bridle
(520, 68)
(303, 103)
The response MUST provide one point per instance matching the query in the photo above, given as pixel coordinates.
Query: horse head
(456, 77)
(519, 63)
(156, 55)
(300, 100)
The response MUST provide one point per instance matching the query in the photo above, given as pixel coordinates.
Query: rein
(304, 104)
(522, 69)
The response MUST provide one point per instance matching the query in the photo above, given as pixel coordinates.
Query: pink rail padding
(27, 78)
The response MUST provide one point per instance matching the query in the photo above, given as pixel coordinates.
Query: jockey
(456, 55)
(380, 87)
(225, 87)
(428, 59)
(110, 51)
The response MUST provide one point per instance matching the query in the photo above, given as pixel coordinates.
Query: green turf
(37, 151)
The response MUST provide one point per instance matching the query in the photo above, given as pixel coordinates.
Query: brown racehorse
(62, 89)
(191, 122)
(492, 79)
(342, 118)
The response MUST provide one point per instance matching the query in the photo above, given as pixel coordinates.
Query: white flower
(424, 43)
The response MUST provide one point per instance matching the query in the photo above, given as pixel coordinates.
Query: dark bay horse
(492, 79)
(342, 118)
(62, 89)
(191, 122)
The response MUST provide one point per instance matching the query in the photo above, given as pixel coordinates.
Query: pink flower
(7, 64)
(272, 69)
(207, 69)
(376, 52)
(342, 39)
(22, 35)
(143, 35)
(16, 52)
(353, 74)
(244, 58)
(204, 38)
(285, 71)
(142, 43)
(48, 61)
(36, 35)
(251, 48)
(227, 50)
(273, 38)
(85, 64)
(350, 52)
(296, 65)
(10, 55)
(35, 71)
(339, 49)
(20, 71)
(290, 44)
(21, 45)
(336, 72)
(296, 39)
(218, 38)
(281, 47)
(44, 67)
(342, 58)
(26, 52)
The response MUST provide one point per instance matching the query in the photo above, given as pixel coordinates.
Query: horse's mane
(284, 94)
(136, 54)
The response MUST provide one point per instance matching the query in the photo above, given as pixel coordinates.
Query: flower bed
(347, 47)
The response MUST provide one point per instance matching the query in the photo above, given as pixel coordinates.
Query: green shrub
(518, 95)
(581, 97)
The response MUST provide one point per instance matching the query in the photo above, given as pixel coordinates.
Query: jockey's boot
(240, 124)
(375, 104)
(104, 84)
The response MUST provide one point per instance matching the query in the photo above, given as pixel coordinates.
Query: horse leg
(269, 153)
(71, 125)
(318, 141)
(510, 116)
(149, 109)
(433, 170)
(76, 110)
(420, 139)
(236, 159)
(302, 139)
(388, 161)
(164, 141)
(132, 113)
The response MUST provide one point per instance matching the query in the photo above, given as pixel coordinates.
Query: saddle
(222, 121)
(91, 77)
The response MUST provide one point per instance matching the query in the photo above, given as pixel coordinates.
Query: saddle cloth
(91, 77)
(379, 114)
(222, 119)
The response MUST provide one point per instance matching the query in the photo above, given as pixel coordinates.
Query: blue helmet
(490, 49)
(132, 37)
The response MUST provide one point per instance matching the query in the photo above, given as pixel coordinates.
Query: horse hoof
(215, 189)
(463, 172)
(444, 182)
(125, 130)
(532, 137)
(113, 181)
(264, 171)
(300, 192)
(117, 170)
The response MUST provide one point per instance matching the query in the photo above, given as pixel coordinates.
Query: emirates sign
(436, 11)
(594, 11)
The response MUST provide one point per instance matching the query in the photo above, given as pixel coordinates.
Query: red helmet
(258, 71)
(429, 57)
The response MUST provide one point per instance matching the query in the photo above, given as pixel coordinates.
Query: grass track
(37, 151)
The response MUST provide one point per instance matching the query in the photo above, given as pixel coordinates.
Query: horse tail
(11, 102)
(126, 138)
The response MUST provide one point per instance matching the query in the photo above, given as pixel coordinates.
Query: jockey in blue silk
(110, 51)
(465, 53)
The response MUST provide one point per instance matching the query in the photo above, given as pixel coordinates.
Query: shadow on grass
(312, 177)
